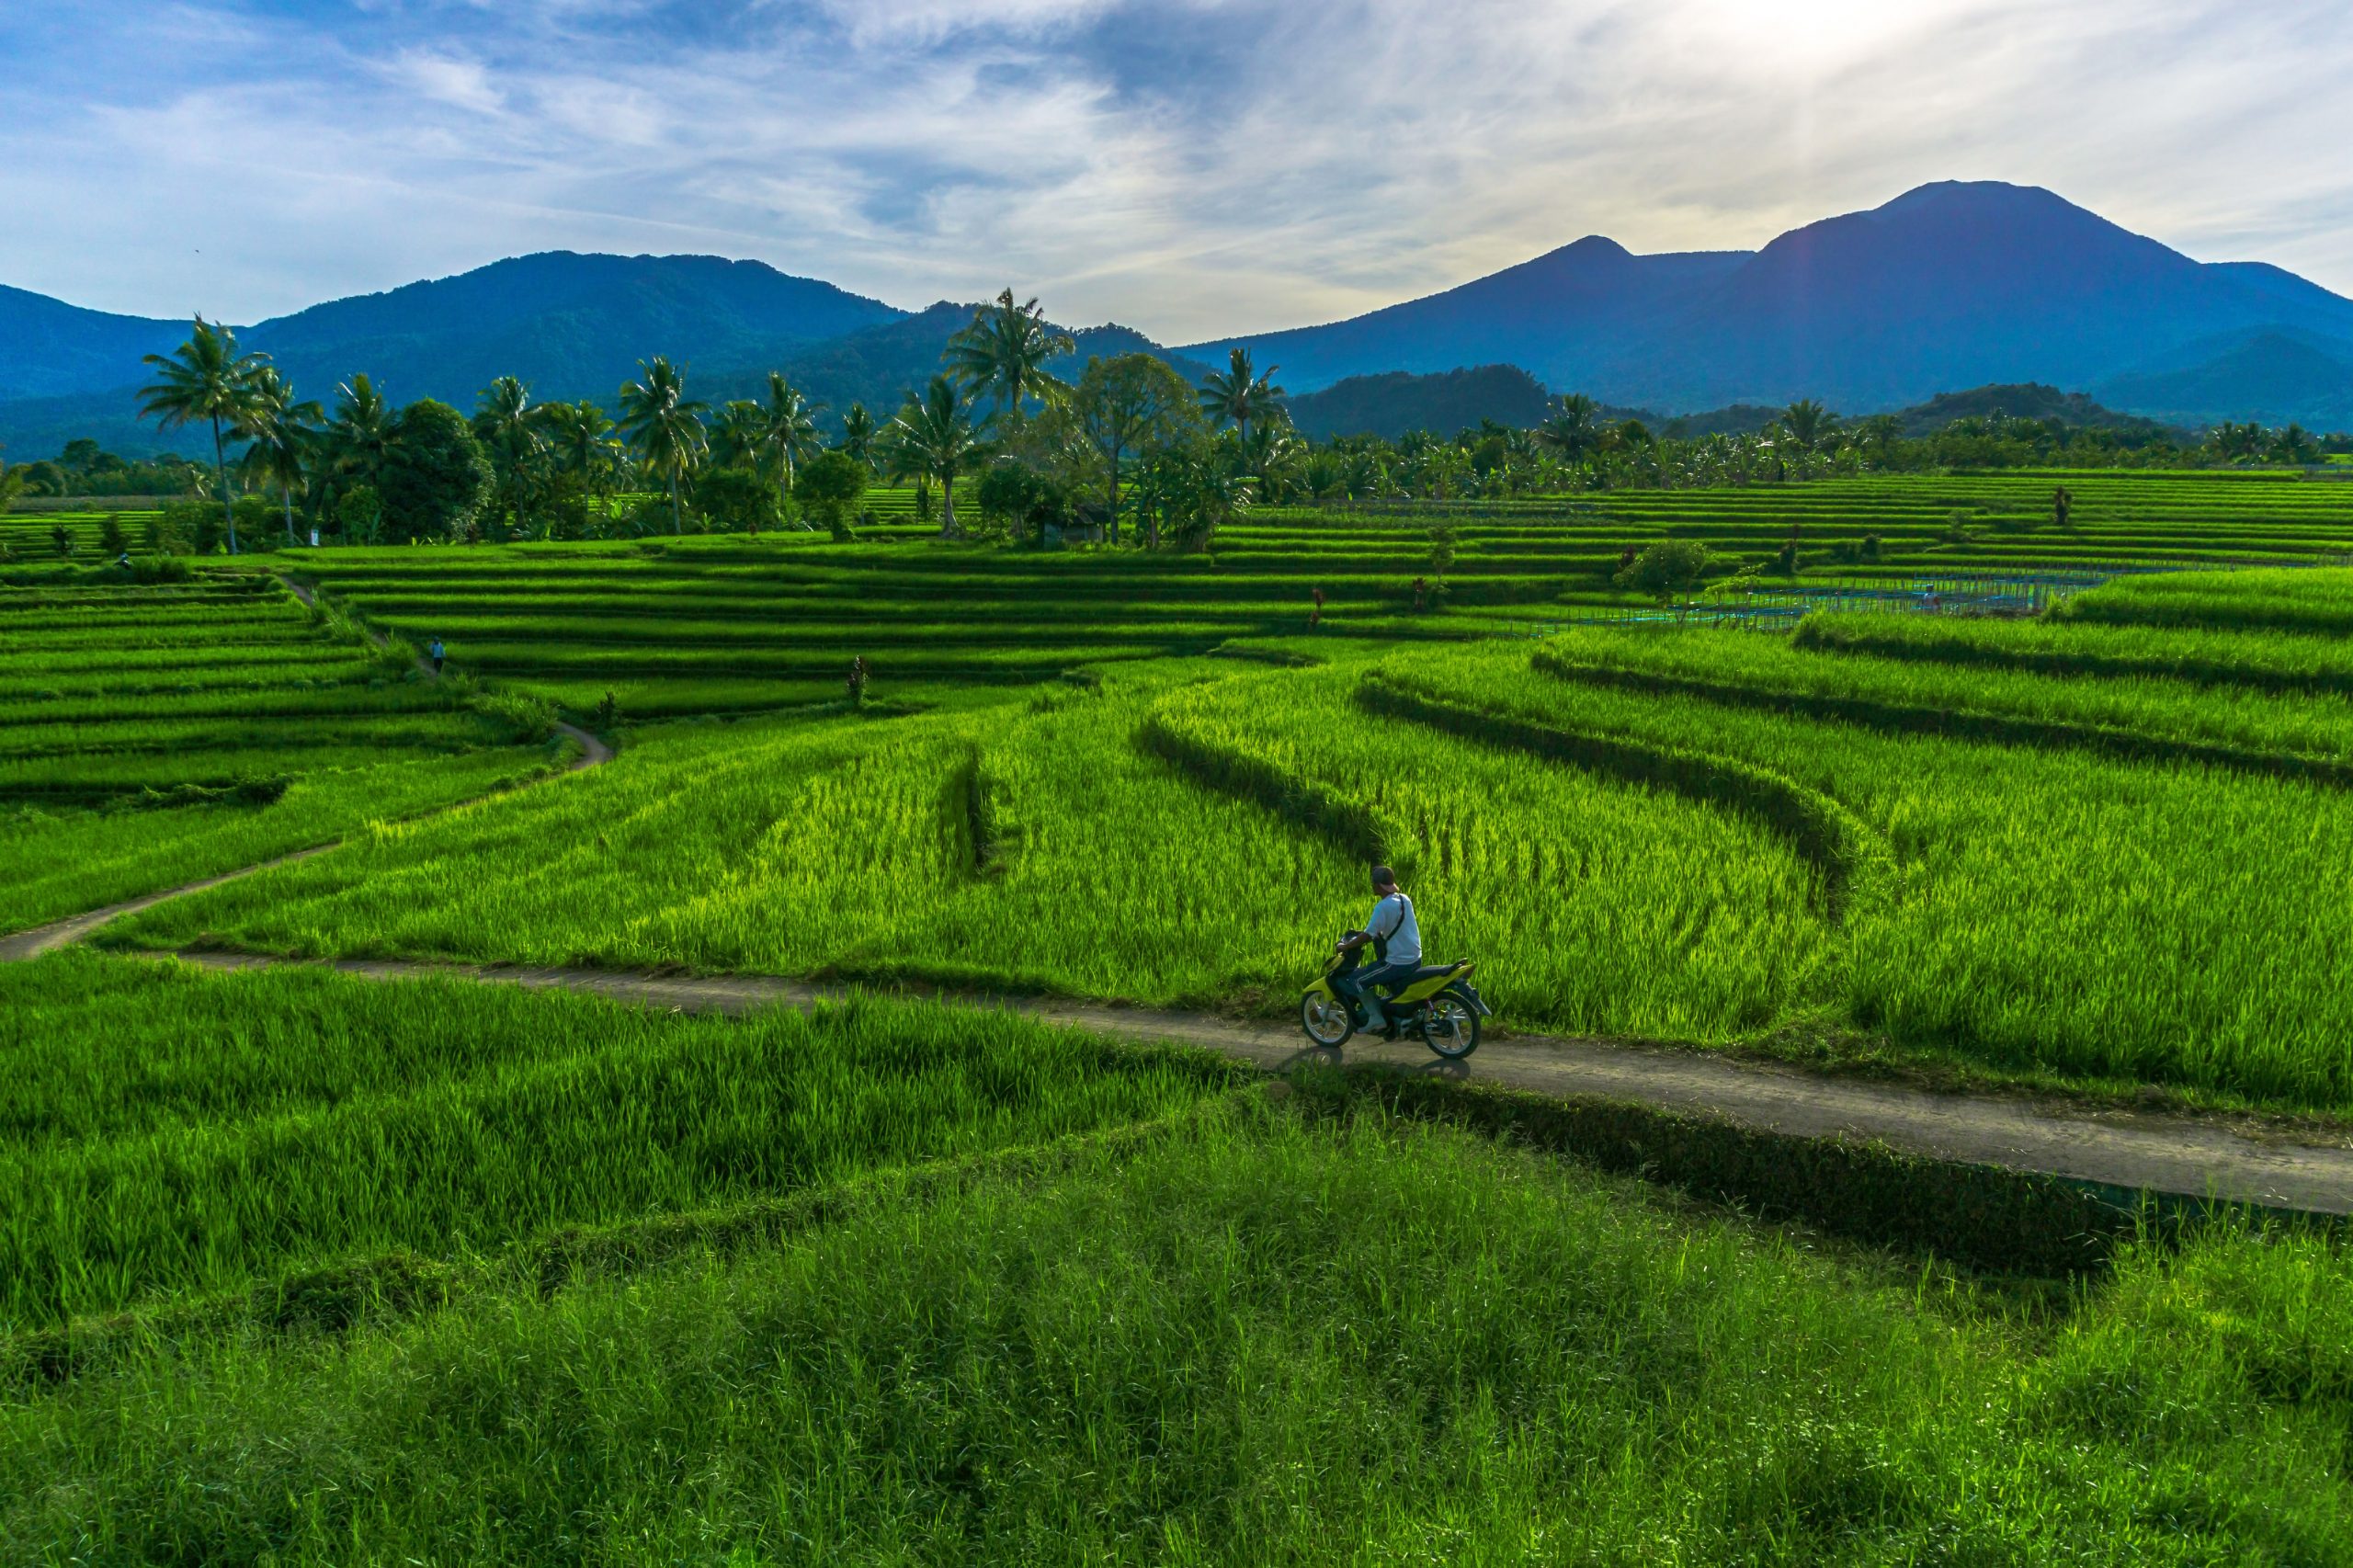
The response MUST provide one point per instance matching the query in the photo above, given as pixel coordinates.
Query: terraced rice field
(300, 1267)
(151, 735)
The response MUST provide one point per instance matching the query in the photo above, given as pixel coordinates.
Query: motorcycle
(1439, 1003)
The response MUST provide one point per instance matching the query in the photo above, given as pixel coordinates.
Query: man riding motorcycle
(1396, 938)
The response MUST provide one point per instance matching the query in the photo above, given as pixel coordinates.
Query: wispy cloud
(1188, 166)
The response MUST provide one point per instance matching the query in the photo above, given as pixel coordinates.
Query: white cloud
(1187, 167)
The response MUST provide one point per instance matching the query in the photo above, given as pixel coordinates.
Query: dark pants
(1392, 974)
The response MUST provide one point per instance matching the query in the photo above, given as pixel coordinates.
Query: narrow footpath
(2137, 1152)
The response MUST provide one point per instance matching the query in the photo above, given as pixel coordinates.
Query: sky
(1189, 167)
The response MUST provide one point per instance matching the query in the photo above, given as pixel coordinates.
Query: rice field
(298, 1268)
(154, 734)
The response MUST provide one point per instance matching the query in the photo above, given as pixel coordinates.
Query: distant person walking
(1316, 608)
(437, 654)
(857, 680)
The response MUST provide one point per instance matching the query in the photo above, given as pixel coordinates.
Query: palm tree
(935, 437)
(357, 440)
(1239, 394)
(1005, 351)
(279, 433)
(204, 378)
(1807, 423)
(858, 434)
(581, 440)
(508, 427)
(737, 435)
(1572, 432)
(789, 431)
(665, 428)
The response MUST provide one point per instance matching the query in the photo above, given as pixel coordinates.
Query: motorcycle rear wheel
(1450, 1027)
(1328, 1020)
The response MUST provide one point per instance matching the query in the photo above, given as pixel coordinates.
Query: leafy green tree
(435, 479)
(1665, 569)
(204, 379)
(510, 428)
(1005, 352)
(360, 514)
(665, 428)
(12, 484)
(2295, 445)
(1129, 404)
(935, 437)
(279, 434)
(1239, 394)
(736, 499)
(111, 542)
(858, 434)
(828, 486)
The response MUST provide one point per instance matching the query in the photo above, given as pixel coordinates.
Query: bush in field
(1665, 569)
(828, 486)
(360, 514)
(435, 479)
(1022, 501)
(735, 500)
(111, 542)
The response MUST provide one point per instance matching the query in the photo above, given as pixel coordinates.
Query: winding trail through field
(2274, 1165)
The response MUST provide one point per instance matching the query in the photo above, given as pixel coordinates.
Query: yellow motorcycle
(1439, 1003)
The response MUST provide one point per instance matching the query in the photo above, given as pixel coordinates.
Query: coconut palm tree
(1809, 424)
(351, 451)
(1572, 432)
(279, 434)
(1005, 352)
(858, 434)
(581, 441)
(508, 426)
(1239, 394)
(204, 378)
(935, 437)
(788, 434)
(665, 426)
(737, 435)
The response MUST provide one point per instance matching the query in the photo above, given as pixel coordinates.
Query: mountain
(2047, 404)
(49, 349)
(1562, 317)
(1391, 405)
(572, 325)
(2273, 377)
(1950, 285)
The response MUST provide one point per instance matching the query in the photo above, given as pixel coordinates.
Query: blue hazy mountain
(2272, 377)
(1951, 285)
(1562, 317)
(572, 325)
(49, 349)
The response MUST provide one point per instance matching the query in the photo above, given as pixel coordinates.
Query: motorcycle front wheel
(1327, 1019)
(1450, 1027)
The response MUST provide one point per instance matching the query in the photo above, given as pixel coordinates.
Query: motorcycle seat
(1432, 971)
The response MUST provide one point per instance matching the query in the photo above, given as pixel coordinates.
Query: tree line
(1127, 451)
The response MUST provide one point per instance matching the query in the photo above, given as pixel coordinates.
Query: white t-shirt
(1392, 921)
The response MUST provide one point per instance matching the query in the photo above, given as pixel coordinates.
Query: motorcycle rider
(1396, 938)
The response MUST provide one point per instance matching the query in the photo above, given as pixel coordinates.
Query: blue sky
(1185, 166)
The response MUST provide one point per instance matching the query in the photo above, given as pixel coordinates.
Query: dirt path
(2132, 1151)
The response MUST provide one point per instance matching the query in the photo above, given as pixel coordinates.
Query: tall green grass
(186, 1133)
(1262, 1340)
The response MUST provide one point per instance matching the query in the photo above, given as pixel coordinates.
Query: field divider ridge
(1855, 860)
(1910, 718)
